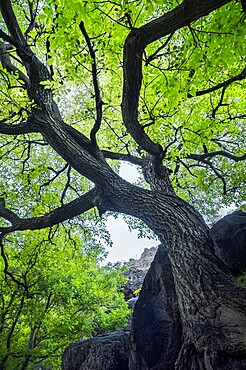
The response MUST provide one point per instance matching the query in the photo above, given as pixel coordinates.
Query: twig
(226, 83)
(154, 55)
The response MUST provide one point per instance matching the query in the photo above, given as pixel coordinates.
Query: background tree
(53, 293)
(87, 83)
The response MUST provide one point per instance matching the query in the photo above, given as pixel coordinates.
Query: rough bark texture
(156, 333)
(105, 352)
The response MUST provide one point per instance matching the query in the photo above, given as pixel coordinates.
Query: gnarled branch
(63, 213)
(136, 42)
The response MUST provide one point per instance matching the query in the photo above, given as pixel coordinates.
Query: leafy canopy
(174, 108)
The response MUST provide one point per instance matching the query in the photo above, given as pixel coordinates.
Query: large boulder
(229, 235)
(156, 333)
(104, 352)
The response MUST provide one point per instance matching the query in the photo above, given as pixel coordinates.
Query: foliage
(54, 293)
(137, 291)
(241, 280)
(185, 125)
(184, 66)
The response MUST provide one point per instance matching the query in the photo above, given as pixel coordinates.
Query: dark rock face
(105, 352)
(156, 333)
(229, 236)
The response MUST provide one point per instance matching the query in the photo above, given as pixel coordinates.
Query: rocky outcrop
(137, 269)
(104, 352)
(229, 236)
(156, 333)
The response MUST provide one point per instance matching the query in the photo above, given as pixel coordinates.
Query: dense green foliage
(52, 294)
(175, 70)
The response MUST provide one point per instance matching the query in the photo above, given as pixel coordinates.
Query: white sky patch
(226, 210)
(129, 172)
(126, 244)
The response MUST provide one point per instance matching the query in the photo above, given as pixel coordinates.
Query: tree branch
(217, 173)
(155, 54)
(11, 22)
(82, 140)
(67, 211)
(32, 18)
(220, 104)
(8, 214)
(136, 42)
(200, 157)
(9, 39)
(10, 67)
(123, 157)
(95, 84)
(184, 14)
(19, 129)
(6, 267)
(239, 77)
(132, 71)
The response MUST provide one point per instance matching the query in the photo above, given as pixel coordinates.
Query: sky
(126, 244)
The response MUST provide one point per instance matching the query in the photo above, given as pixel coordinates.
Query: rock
(229, 235)
(137, 269)
(132, 301)
(156, 333)
(104, 352)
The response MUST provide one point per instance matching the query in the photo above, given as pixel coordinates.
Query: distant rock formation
(137, 269)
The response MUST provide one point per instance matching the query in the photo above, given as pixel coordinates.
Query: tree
(51, 295)
(89, 83)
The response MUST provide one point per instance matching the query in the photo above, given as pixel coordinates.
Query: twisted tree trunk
(212, 308)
